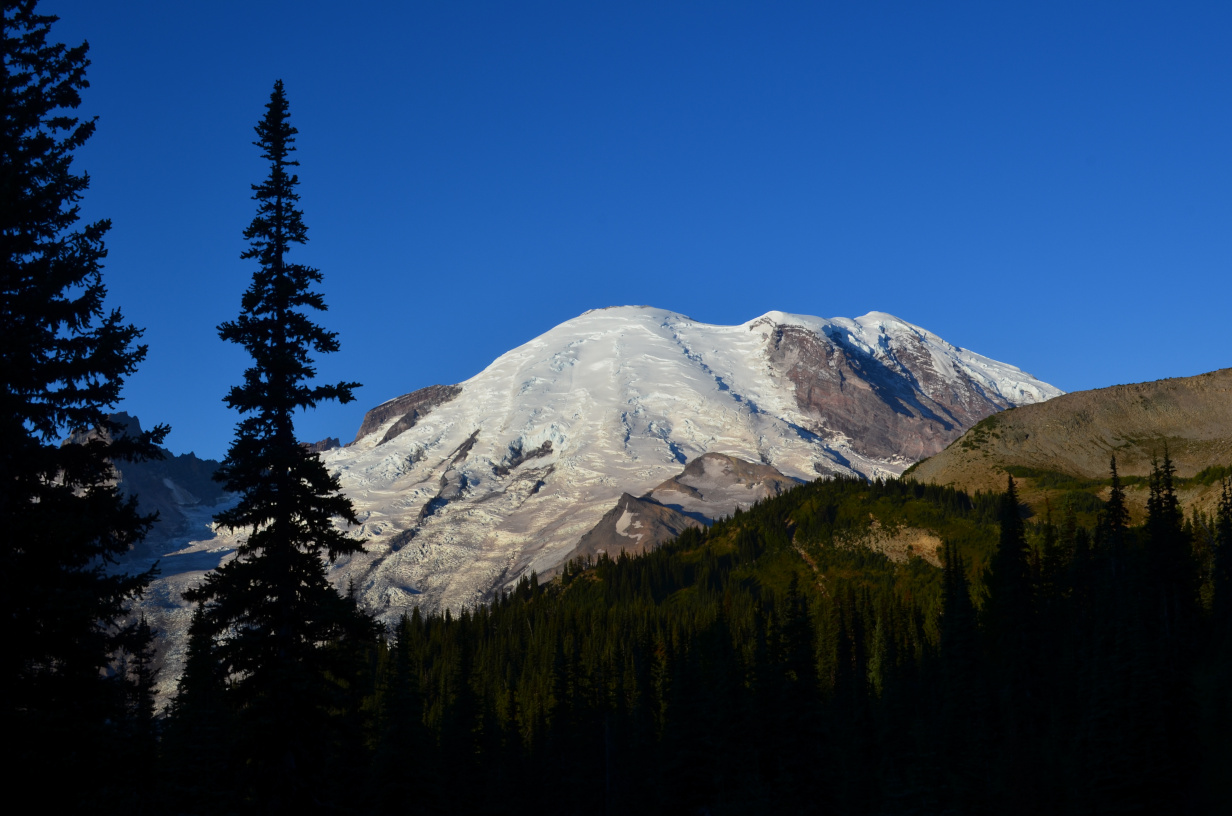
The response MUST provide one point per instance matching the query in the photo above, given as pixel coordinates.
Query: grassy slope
(1059, 450)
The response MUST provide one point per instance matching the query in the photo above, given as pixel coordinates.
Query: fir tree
(1115, 519)
(63, 359)
(1221, 578)
(196, 743)
(1216, 683)
(1012, 634)
(963, 738)
(1170, 589)
(284, 636)
(1009, 579)
(1172, 569)
(397, 766)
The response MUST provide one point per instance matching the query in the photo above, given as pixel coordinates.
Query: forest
(1067, 663)
(765, 665)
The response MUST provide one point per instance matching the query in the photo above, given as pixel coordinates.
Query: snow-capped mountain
(462, 489)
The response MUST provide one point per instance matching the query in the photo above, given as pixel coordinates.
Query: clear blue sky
(1049, 184)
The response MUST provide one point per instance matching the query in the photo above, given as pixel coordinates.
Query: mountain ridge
(1078, 434)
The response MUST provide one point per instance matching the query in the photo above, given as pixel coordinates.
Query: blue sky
(1049, 184)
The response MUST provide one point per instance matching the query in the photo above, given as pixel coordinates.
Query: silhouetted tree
(1221, 579)
(63, 361)
(283, 634)
(964, 705)
(1172, 570)
(197, 747)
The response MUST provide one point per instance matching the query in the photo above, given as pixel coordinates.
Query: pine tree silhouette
(63, 362)
(282, 633)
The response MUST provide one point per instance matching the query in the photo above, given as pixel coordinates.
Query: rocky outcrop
(897, 542)
(710, 487)
(326, 444)
(892, 404)
(453, 481)
(633, 526)
(714, 485)
(517, 456)
(408, 409)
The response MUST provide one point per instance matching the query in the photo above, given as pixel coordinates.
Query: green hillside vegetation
(697, 675)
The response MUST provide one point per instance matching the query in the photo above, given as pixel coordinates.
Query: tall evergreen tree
(196, 743)
(1012, 634)
(1114, 521)
(1009, 580)
(63, 361)
(1221, 578)
(1172, 568)
(1217, 676)
(963, 738)
(1169, 590)
(283, 634)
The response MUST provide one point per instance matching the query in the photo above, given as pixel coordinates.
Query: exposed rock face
(898, 543)
(713, 485)
(517, 456)
(710, 487)
(129, 425)
(407, 409)
(633, 526)
(324, 445)
(1079, 433)
(892, 404)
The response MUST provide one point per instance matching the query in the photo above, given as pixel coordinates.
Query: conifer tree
(963, 737)
(63, 361)
(1009, 579)
(196, 749)
(1115, 519)
(1217, 696)
(1172, 569)
(1221, 579)
(396, 766)
(1012, 634)
(283, 635)
(1170, 591)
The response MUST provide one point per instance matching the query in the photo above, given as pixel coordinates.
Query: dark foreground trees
(278, 643)
(724, 673)
(63, 361)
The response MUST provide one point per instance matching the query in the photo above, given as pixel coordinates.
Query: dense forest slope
(774, 663)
